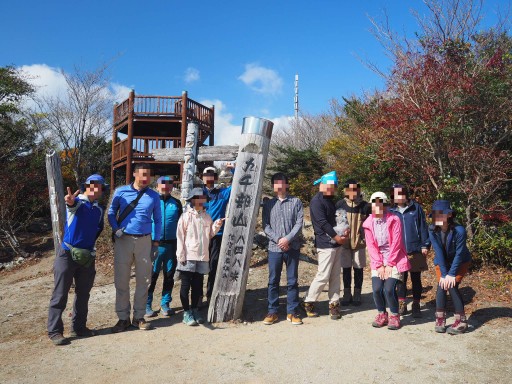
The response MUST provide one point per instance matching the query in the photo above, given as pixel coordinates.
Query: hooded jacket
(357, 212)
(456, 252)
(414, 227)
(397, 255)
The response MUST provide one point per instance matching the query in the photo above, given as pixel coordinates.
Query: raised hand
(70, 197)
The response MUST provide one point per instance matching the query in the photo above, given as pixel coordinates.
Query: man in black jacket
(327, 242)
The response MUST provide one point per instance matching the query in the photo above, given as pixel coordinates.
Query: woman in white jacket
(195, 229)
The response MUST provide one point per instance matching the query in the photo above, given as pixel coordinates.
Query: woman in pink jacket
(195, 229)
(383, 233)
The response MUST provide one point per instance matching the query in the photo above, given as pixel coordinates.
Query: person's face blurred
(378, 207)
(352, 191)
(209, 178)
(142, 177)
(198, 202)
(439, 218)
(399, 196)
(94, 190)
(328, 189)
(281, 187)
(165, 187)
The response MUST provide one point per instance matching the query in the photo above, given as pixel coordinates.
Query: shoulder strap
(130, 207)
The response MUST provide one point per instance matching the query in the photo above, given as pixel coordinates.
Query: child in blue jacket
(452, 260)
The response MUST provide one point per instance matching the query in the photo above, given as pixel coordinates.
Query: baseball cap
(209, 170)
(379, 195)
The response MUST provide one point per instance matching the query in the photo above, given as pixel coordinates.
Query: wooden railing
(142, 147)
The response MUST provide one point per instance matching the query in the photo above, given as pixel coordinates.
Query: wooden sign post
(190, 155)
(56, 192)
(233, 269)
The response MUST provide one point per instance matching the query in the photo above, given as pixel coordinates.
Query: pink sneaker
(380, 320)
(394, 322)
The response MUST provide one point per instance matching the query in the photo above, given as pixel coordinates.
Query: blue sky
(241, 56)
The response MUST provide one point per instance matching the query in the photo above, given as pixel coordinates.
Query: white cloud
(191, 75)
(120, 91)
(226, 132)
(261, 79)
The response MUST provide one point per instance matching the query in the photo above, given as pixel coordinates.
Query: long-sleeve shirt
(84, 223)
(283, 218)
(218, 199)
(323, 217)
(140, 220)
(171, 212)
(453, 253)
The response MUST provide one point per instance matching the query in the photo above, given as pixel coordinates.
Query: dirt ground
(319, 351)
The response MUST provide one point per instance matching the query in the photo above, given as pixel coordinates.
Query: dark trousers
(275, 266)
(190, 281)
(65, 270)
(458, 304)
(417, 288)
(215, 244)
(358, 278)
(384, 291)
(165, 262)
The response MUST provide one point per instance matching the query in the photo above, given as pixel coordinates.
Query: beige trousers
(127, 250)
(350, 258)
(329, 269)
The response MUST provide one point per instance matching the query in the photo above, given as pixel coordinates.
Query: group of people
(152, 231)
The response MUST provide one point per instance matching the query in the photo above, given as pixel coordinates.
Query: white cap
(210, 170)
(379, 195)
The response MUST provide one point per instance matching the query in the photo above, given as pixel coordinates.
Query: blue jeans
(166, 262)
(384, 291)
(275, 266)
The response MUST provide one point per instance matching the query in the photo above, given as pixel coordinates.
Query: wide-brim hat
(442, 206)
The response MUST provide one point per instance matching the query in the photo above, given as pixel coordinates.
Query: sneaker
(58, 339)
(150, 312)
(440, 322)
(394, 322)
(334, 311)
(416, 309)
(270, 319)
(380, 320)
(347, 297)
(166, 311)
(294, 319)
(402, 307)
(197, 316)
(188, 318)
(309, 308)
(460, 326)
(121, 326)
(142, 324)
(356, 299)
(86, 332)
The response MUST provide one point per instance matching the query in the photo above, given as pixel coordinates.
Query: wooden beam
(217, 153)
(236, 249)
(56, 192)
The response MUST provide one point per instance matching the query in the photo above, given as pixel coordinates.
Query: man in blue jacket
(133, 244)
(166, 259)
(218, 198)
(75, 261)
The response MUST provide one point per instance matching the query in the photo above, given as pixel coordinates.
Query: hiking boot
(347, 297)
(121, 326)
(460, 325)
(380, 320)
(309, 308)
(188, 318)
(402, 307)
(294, 319)
(58, 339)
(150, 312)
(166, 311)
(142, 324)
(440, 322)
(394, 322)
(334, 311)
(85, 332)
(356, 299)
(416, 309)
(197, 317)
(270, 319)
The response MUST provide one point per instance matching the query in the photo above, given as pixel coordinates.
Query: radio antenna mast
(296, 99)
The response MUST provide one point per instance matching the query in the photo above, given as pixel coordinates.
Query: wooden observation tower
(144, 123)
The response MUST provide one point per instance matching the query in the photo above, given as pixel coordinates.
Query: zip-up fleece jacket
(456, 252)
(84, 223)
(397, 255)
(414, 227)
(323, 217)
(195, 229)
(171, 212)
(357, 212)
